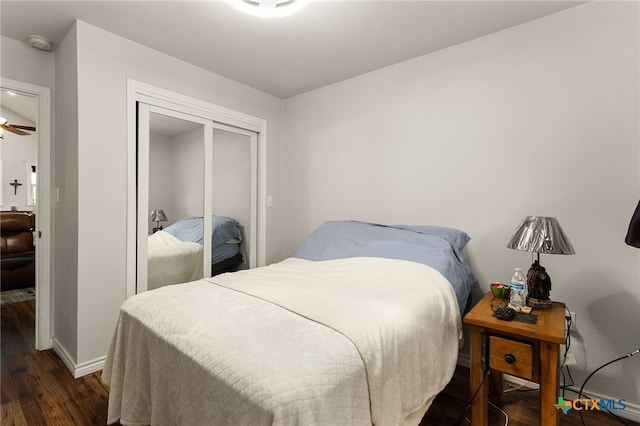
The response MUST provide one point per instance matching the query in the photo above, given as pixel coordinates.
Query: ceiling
(326, 42)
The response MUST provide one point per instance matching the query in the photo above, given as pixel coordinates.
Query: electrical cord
(506, 417)
(466, 409)
(630, 354)
(564, 380)
(567, 345)
(513, 388)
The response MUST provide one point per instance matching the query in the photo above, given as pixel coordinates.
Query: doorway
(195, 170)
(25, 163)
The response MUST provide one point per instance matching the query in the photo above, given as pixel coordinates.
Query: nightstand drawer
(511, 357)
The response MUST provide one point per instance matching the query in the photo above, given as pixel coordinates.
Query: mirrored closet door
(234, 196)
(195, 178)
(172, 151)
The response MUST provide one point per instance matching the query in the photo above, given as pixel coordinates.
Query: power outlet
(572, 315)
(570, 360)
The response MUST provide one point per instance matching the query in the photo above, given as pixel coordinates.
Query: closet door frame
(223, 118)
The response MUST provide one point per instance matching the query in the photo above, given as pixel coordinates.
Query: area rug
(19, 295)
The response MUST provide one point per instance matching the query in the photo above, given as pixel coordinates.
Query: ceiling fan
(14, 128)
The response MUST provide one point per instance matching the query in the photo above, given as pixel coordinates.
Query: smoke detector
(40, 43)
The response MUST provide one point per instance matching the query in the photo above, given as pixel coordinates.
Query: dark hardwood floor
(37, 389)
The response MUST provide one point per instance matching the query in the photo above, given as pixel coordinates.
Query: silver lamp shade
(157, 216)
(539, 234)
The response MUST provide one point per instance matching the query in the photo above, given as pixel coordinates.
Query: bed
(175, 253)
(347, 331)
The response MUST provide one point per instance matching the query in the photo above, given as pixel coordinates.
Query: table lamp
(157, 216)
(539, 234)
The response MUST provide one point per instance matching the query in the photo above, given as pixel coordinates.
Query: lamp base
(539, 287)
(538, 303)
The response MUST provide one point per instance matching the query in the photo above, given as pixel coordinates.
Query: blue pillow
(433, 246)
(457, 238)
(190, 229)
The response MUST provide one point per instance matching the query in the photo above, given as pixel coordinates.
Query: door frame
(152, 95)
(44, 210)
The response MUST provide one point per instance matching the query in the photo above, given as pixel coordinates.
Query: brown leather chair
(17, 252)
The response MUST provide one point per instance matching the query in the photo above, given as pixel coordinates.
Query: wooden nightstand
(523, 350)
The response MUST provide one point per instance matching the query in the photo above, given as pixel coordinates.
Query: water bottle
(517, 297)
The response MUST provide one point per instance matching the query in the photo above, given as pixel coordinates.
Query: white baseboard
(64, 355)
(517, 381)
(631, 412)
(89, 367)
(77, 370)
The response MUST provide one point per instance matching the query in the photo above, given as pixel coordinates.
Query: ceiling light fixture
(268, 8)
(40, 43)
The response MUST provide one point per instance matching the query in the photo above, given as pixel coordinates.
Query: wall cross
(15, 185)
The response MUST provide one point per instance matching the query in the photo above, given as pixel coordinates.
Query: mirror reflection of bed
(176, 186)
(175, 253)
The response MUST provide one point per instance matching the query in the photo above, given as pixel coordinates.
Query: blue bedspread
(433, 246)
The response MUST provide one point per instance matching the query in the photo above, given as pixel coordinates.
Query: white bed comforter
(172, 261)
(349, 341)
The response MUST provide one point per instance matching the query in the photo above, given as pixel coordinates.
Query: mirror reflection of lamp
(157, 216)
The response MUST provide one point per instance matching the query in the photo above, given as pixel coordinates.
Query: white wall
(188, 173)
(539, 119)
(19, 61)
(65, 158)
(102, 73)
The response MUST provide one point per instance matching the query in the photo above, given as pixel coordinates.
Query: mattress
(345, 341)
